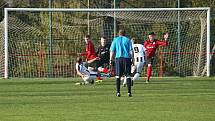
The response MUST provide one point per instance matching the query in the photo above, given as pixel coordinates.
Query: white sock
(125, 80)
(136, 76)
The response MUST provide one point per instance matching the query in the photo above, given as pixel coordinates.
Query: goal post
(138, 16)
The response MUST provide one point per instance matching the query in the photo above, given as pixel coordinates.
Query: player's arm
(98, 51)
(132, 57)
(145, 51)
(83, 53)
(92, 60)
(112, 51)
(111, 57)
(145, 55)
(131, 53)
(79, 73)
(165, 41)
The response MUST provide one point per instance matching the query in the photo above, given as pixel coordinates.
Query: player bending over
(139, 59)
(87, 75)
(151, 45)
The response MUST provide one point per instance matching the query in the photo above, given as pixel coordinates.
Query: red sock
(149, 71)
(98, 78)
(105, 70)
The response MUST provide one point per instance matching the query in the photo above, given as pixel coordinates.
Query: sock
(125, 80)
(118, 85)
(136, 76)
(98, 78)
(104, 70)
(129, 84)
(149, 71)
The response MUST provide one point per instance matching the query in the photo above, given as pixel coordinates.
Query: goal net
(44, 42)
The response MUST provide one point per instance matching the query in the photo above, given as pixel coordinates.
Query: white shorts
(90, 77)
(138, 67)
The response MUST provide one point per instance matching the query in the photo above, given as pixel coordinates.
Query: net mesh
(33, 53)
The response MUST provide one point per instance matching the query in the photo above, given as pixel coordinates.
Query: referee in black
(121, 47)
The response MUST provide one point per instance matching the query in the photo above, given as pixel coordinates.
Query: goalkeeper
(104, 55)
(151, 45)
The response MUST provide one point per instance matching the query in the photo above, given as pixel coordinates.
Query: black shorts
(94, 64)
(103, 62)
(123, 67)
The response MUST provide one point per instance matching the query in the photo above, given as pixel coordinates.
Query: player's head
(103, 41)
(151, 36)
(134, 40)
(121, 32)
(79, 60)
(165, 33)
(86, 38)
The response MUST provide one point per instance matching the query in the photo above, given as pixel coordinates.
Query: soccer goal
(43, 42)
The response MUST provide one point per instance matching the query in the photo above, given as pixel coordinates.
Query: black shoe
(129, 95)
(124, 85)
(92, 82)
(118, 94)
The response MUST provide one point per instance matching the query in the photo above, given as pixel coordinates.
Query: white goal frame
(6, 10)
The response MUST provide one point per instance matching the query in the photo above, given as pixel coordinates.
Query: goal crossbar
(6, 10)
(104, 9)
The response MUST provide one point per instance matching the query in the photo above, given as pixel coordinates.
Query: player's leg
(127, 72)
(118, 75)
(149, 69)
(133, 72)
(139, 69)
(104, 70)
(89, 79)
(101, 66)
(86, 79)
(94, 76)
(94, 65)
(124, 81)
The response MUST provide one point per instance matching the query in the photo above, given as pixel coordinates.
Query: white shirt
(82, 69)
(139, 50)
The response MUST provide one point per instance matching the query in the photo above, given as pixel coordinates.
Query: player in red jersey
(90, 50)
(151, 45)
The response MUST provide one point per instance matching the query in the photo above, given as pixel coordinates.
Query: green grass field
(166, 99)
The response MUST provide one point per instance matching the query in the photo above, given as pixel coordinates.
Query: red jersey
(152, 46)
(90, 51)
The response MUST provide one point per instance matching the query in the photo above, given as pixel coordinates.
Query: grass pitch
(166, 99)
